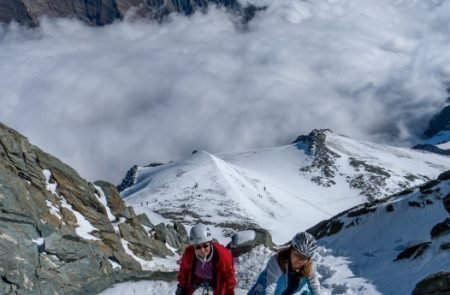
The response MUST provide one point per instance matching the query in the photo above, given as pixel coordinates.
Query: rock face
(102, 12)
(435, 284)
(28, 12)
(439, 123)
(437, 133)
(59, 233)
(324, 158)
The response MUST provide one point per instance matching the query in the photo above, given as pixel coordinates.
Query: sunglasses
(204, 246)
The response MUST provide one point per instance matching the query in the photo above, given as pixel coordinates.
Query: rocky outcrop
(441, 228)
(413, 252)
(28, 12)
(60, 234)
(175, 236)
(130, 176)
(323, 167)
(245, 241)
(439, 122)
(435, 284)
(95, 12)
(432, 149)
(129, 179)
(435, 134)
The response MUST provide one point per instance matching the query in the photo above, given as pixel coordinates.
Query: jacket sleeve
(313, 283)
(184, 273)
(229, 274)
(267, 279)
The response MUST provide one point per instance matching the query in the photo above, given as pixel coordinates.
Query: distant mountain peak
(320, 174)
(323, 165)
(314, 138)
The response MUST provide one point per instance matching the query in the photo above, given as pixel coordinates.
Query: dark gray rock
(444, 175)
(439, 122)
(144, 220)
(323, 167)
(432, 149)
(413, 252)
(445, 246)
(93, 12)
(441, 228)
(434, 284)
(103, 12)
(14, 10)
(129, 179)
(112, 198)
(447, 203)
(141, 243)
(240, 244)
(176, 235)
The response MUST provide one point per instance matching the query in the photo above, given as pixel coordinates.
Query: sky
(136, 92)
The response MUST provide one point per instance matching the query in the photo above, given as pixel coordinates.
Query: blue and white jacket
(273, 280)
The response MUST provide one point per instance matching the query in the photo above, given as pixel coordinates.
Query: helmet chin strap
(208, 257)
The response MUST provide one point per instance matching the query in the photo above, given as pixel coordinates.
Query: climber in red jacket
(205, 264)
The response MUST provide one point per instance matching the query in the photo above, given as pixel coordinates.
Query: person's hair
(283, 258)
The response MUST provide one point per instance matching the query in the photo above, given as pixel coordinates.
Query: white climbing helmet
(199, 234)
(305, 243)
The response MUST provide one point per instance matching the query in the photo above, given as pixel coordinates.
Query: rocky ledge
(60, 234)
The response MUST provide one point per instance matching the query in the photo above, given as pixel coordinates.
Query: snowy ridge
(282, 189)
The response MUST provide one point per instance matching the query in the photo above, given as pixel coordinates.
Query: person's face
(203, 250)
(298, 260)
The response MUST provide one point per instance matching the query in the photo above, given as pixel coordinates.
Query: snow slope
(283, 189)
(372, 242)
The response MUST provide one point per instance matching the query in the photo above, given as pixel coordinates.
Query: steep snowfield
(273, 187)
(371, 242)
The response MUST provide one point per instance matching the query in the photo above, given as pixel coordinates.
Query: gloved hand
(180, 290)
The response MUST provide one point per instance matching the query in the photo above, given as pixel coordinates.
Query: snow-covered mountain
(282, 189)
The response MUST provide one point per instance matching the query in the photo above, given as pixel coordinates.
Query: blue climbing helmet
(305, 243)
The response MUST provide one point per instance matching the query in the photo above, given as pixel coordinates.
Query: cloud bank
(103, 99)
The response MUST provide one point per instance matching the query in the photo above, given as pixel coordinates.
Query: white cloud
(103, 99)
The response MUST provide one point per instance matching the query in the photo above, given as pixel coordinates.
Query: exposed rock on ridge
(45, 248)
(435, 284)
(104, 12)
(324, 158)
(440, 122)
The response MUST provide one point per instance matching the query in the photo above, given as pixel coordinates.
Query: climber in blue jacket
(290, 271)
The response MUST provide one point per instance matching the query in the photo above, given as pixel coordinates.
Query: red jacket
(224, 277)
